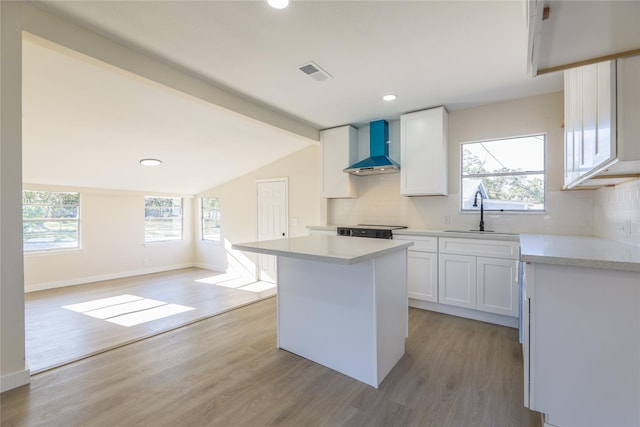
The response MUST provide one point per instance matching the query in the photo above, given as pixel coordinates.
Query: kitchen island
(342, 301)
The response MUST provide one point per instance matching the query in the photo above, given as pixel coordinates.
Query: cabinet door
(605, 148)
(424, 153)
(339, 150)
(457, 280)
(497, 286)
(569, 174)
(573, 124)
(422, 276)
(589, 118)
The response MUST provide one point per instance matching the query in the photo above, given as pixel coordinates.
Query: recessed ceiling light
(389, 97)
(150, 162)
(278, 4)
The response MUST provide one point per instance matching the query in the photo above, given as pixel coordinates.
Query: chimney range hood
(378, 161)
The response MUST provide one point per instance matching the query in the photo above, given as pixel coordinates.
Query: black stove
(370, 230)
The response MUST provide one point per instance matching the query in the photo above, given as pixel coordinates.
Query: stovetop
(379, 227)
(370, 230)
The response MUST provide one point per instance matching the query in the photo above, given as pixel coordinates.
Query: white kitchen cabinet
(422, 268)
(581, 353)
(479, 274)
(457, 280)
(339, 147)
(601, 127)
(589, 138)
(423, 151)
(497, 286)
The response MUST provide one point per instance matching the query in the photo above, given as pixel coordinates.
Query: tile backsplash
(617, 213)
(379, 202)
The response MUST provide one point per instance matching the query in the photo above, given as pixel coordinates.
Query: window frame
(202, 220)
(542, 172)
(77, 220)
(165, 238)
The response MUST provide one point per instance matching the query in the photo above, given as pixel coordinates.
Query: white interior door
(272, 221)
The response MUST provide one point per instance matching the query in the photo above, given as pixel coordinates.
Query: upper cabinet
(339, 147)
(602, 133)
(424, 152)
(567, 34)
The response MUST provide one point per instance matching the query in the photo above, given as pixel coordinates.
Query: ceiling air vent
(313, 70)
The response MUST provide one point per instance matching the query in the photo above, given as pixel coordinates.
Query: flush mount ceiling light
(150, 162)
(278, 4)
(390, 97)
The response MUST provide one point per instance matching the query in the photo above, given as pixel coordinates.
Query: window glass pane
(519, 192)
(210, 218)
(504, 155)
(508, 174)
(50, 220)
(162, 219)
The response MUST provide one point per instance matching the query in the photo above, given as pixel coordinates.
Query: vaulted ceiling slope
(86, 125)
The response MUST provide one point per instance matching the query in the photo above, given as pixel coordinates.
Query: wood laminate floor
(55, 335)
(226, 371)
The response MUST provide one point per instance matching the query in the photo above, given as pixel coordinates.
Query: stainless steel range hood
(378, 161)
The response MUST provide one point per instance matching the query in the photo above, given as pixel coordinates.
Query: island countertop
(323, 248)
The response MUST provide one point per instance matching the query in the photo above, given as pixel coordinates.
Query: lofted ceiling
(87, 124)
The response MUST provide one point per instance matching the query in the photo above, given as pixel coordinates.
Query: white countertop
(579, 251)
(465, 234)
(488, 235)
(323, 248)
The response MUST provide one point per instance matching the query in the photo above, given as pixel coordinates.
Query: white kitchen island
(342, 301)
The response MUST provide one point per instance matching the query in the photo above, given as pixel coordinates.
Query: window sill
(51, 251)
(486, 212)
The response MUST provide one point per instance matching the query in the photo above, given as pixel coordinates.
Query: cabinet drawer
(420, 243)
(478, 247)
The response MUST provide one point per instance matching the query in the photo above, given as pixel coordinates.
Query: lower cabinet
(457, 280)
(422, 275)
(422, 267)
(469, 278)
(497, 286)
(475, 274)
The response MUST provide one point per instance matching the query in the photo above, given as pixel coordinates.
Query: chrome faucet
(475, 205)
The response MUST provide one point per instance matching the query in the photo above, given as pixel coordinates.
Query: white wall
(238, 219)
(112, 242)
(617, 213)
(13, 368)
(567, 212)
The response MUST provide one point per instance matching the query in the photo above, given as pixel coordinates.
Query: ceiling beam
(71, 36)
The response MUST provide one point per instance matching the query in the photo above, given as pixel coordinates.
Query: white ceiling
(86, 125)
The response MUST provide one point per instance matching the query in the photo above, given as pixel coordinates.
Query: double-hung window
(162, 219)
(508, 174)
(50, 220)
(210, 216)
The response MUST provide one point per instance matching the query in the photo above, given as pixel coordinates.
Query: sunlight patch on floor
(127, 310)
(230, 280)
(258, 286)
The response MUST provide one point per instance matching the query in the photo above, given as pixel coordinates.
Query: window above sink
(509, 174)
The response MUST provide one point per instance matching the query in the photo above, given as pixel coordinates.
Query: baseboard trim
(216, 268)
(482, 316)
(99, 278)
(15, 380)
